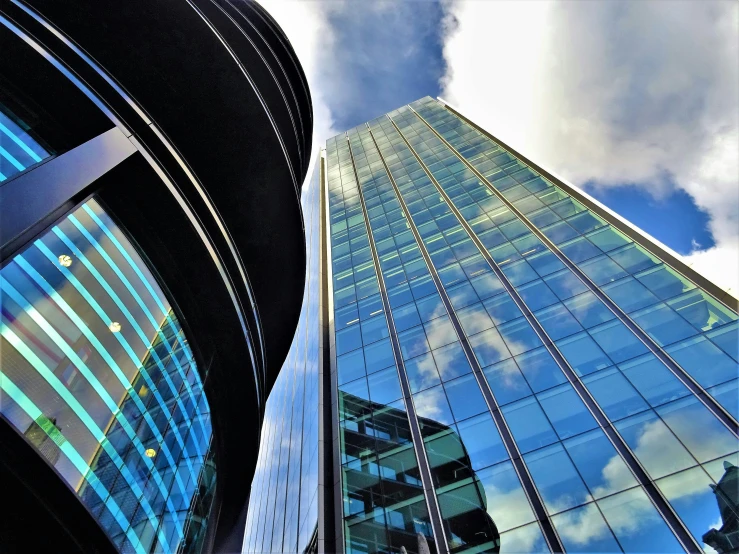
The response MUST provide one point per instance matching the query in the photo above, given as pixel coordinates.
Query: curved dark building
(153, 262)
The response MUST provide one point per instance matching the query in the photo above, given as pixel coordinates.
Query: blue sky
(637, 102)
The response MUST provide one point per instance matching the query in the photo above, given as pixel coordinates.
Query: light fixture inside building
(65, 260)
(150, 452)
(114, 326)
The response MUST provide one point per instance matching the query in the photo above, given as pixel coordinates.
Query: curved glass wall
(98, 376)
(283, 505)
(18, 149)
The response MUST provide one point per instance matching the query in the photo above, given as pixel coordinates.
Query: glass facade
(512, 372)
(98, 376)
(19, 150)
(501, 348)
(283, 506)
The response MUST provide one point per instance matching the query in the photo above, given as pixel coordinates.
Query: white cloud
(612, 93)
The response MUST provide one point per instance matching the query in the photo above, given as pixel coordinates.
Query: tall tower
(494, 340)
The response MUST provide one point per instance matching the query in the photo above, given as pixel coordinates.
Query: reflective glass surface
(19, 149)
(667, 429)
(283, 504)
(509, 354)
(98, 376)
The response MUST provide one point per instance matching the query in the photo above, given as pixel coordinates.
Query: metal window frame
(693, 386)
(530, 490)
(657, 498)
(434, 511)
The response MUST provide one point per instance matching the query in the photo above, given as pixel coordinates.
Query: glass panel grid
(98, 376)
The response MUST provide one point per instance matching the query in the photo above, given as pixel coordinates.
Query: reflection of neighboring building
(46, 436)
(726, 539)
(383, 483)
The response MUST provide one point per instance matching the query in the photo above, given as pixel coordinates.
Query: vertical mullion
(655, 495)
(423, 463)
(327, 427)
(693, 386)
(514, 454)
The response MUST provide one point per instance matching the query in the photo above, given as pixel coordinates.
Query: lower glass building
(506, 365)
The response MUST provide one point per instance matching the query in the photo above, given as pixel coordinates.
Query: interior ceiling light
(114, 326)
(150, 452)
(65, 260)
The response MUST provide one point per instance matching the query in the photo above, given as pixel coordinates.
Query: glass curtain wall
(638, 393)
(19, 149)
(283, 506)
(582, 374)
(98, 376)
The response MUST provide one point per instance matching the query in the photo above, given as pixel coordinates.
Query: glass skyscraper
(504, 365)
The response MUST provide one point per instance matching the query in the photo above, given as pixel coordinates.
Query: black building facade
(153, 264)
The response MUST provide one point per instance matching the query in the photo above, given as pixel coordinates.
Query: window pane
(727, 338)
(507, 503)
(637, 524)
(615, 395)
(588, 310)
(432, 404)
(474, 319)
(502, 308)
(634, 258)
(566, 411)
(653, 380)
(519, 336)
(602, 270)
(523, 539)
(664, 282)
(663, 325)
(701, 433)
(406, 317)
(701, 310)
(465, 397)
(422, 372)
(529, 425)
(465, 519)
(704, 361)
(617, 341)
(451, 361)
(690, 494)
(557, 322)
(602, 469)
(556, 478)
(489, 347)
(565, 285)
(608, 239)
(482, 441)
(506, 382)
(379, 355)
(440, 332)
(629, 294)
(583, 354)
(384, 386)
(413, 342)
(540, 369)
(350, 366)
(584, 530)
(537, 295)
(654, 445)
